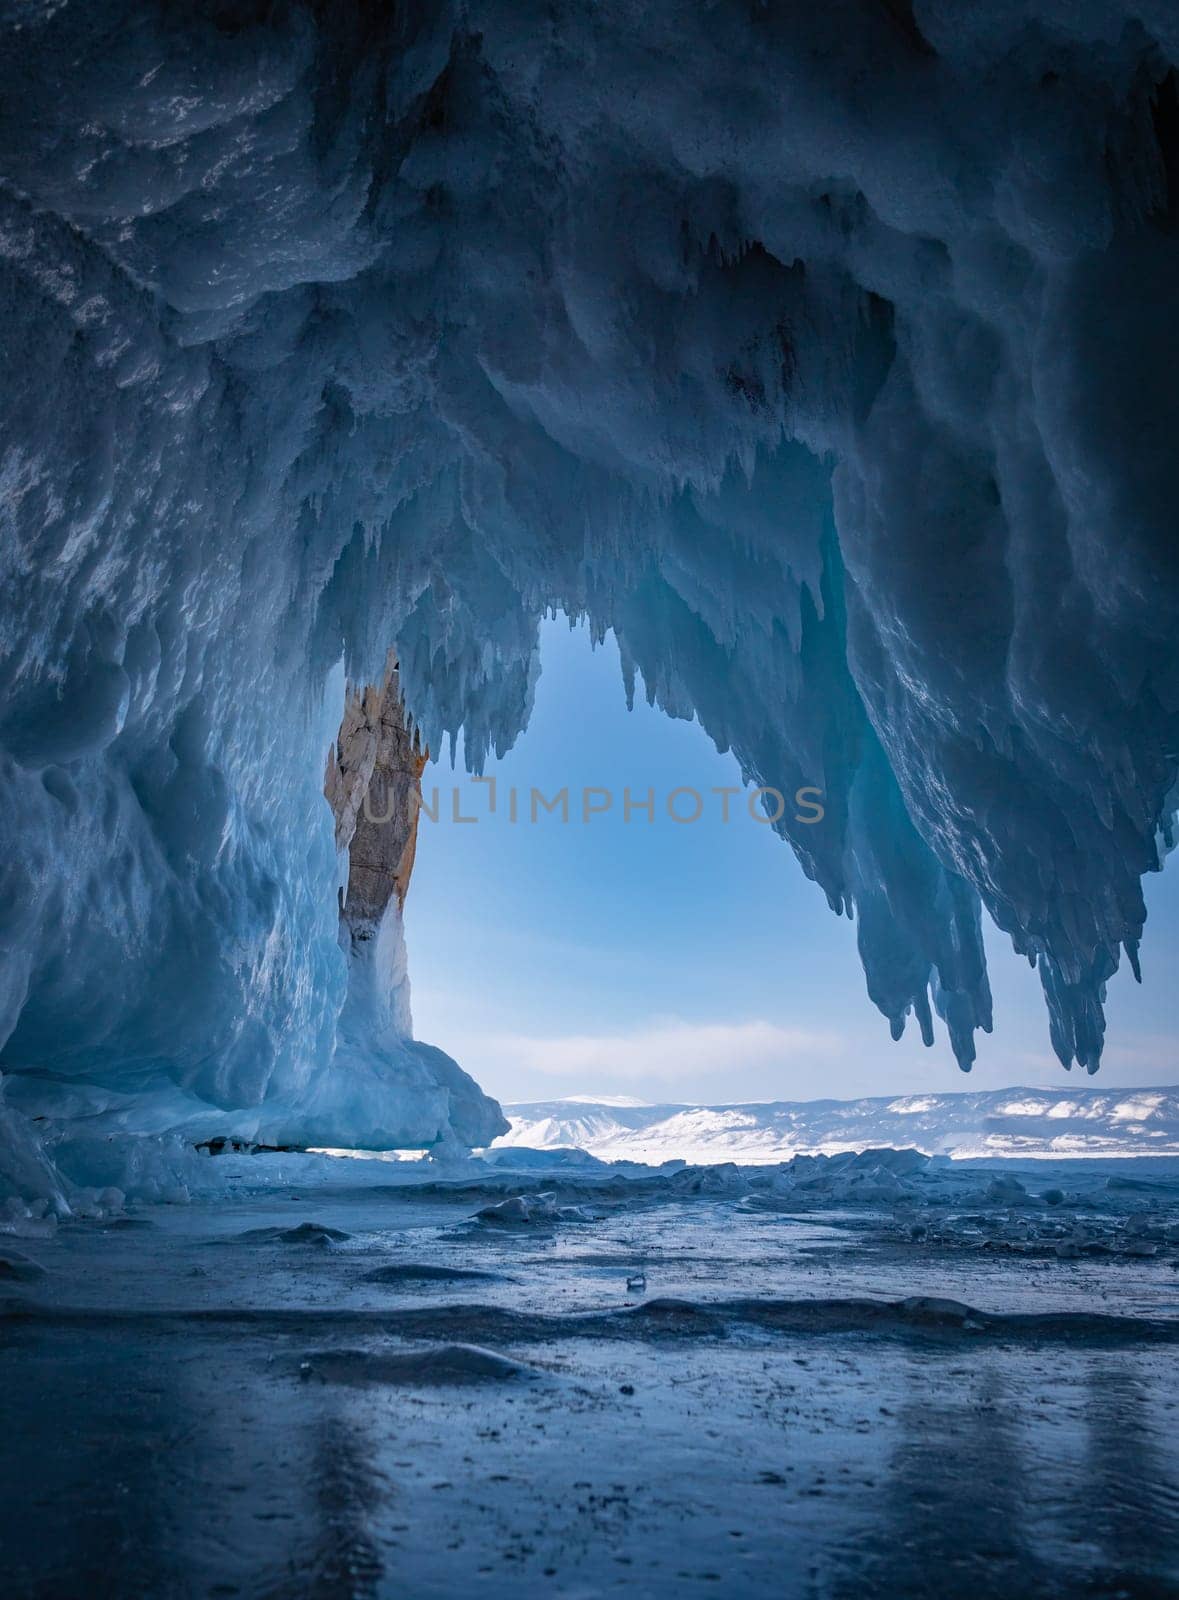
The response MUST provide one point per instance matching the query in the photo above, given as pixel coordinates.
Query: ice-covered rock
(529, 1210)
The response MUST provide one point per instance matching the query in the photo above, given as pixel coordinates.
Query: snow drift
(826, 353)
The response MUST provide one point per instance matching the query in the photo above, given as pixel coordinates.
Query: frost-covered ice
(334, 1379)
(825, 352)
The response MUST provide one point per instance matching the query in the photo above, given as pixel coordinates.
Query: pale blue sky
(688, 962)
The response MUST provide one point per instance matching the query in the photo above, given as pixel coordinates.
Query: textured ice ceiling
(828, 352)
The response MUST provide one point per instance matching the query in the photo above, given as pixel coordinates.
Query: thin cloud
(667, 1051)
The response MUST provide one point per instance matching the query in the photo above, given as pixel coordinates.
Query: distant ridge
(1052, 1123)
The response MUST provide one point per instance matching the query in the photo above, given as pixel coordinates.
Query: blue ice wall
(827, 352)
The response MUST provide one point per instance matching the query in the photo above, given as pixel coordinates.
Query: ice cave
(826, 356)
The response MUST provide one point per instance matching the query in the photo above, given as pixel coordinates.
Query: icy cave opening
(847, 402)
(668, 949)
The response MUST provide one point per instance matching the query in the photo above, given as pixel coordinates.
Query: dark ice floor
(195, 1405)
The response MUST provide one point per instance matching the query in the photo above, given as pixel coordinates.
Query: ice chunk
(315, 1233)
(724, 1179)
(529, 1210)
(438, 1366)
(1007, 1190)
(402, 1272)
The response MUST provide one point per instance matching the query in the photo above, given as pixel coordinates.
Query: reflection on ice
(357, 1392)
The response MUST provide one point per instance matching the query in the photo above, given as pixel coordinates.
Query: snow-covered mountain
(992, 1122)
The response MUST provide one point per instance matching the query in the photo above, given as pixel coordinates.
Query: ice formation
(826, 353)
(400, 1091)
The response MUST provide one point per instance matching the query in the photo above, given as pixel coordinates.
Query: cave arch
(326, 330)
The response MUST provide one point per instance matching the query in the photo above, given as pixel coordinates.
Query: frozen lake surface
(335, 1378)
